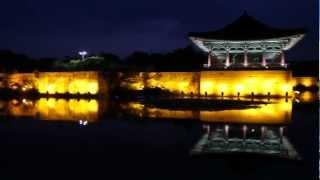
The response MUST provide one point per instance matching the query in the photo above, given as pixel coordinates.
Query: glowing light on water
(56, 109)
(277, 112)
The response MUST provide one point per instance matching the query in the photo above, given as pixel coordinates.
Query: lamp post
(83, 54)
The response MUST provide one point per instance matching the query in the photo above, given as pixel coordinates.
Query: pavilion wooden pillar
(282, 61)
(281, 134)
(244, 132)
(263, 133)
(264, 60)
(245, 60)
(209, 59)
(227, 64)
(226, 132)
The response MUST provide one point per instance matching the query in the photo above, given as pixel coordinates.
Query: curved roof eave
(248, 40)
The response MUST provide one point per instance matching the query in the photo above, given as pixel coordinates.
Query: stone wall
(246, 82)
(175, 82)
(214, 83)
(83, 82)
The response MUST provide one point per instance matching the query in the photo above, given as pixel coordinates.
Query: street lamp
(83, 54)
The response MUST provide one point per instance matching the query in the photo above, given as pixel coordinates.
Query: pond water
(74, 138)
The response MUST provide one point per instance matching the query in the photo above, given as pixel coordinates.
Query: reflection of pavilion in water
(53, 109)
(245, 139)
(253, 130)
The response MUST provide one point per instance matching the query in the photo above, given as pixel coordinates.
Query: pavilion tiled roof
(247, 28)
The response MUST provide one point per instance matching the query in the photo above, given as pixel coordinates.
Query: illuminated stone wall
(214, 83)
(84, 82)
(210, 83)
(175, 82)
(230, 83)
(23, 81)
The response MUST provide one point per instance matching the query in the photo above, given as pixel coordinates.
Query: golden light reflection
(56, 109)
(307, 97)
(277, 112)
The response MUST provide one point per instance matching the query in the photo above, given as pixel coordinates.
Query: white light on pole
(83, 54)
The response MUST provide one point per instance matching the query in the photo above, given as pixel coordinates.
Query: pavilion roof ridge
(247, 27)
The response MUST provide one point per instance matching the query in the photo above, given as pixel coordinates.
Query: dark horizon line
(123, 58)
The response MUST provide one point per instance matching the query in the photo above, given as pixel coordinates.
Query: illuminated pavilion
(247, 43)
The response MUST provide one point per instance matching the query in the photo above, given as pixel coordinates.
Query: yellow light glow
(223, 88)
(206, 87)
(51, 89)
(73, 83)
(247, 82)
(307, 82)
(308, 96)
(183, 86)
(239, 88)
(268, 85)
(274, 113)
(56, 109)
(83, 82)
(277, 112)
(286, 88)
(137, 86)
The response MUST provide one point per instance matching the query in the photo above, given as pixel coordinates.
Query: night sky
(57, 28)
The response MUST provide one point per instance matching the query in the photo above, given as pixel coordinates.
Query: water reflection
(275, 111)
(54, 109)
(278, 111)
(307, 97)
(258, 129)
(266, 140)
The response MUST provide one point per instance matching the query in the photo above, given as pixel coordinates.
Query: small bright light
(226, 127)
(244, 128)
(83, 53)
(14, 87)
(85, 123)
(15, 102)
